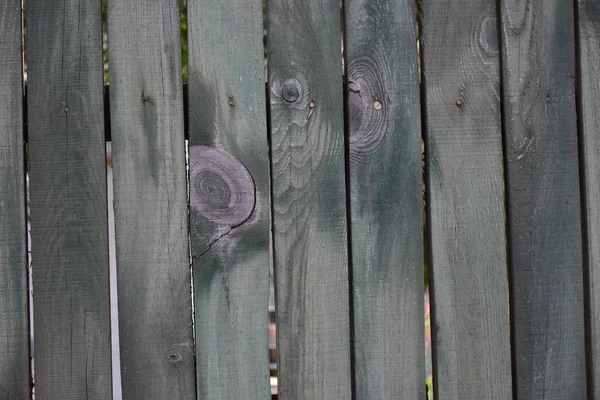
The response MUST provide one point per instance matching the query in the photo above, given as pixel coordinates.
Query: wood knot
(146, 99)
(291, 91)
(221, 188)
(175, 356)
(231, 101)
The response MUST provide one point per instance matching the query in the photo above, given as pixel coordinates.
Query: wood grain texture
(589, 45)
(543, 195)
(229, 197)
(14, 328)
(151, 221)
(470, 308)
(68, 200)
(309, 210)
(386, 198)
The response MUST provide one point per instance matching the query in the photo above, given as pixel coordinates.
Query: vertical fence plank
(68, 200)
(589, 45)
(14, 339)
(385, 198)
(309, 211)
(466, 200)
(151, 229)
(543, 195)
(229, 197)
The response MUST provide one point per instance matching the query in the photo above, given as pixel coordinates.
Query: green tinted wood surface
(589, 42)
(469, 279)
(14, 340)
(309, 205)
(229, 197)
(153, 267)
(386, 198)
(68, 200)
(538, 51)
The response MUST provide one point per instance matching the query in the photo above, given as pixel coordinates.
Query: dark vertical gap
(112, 270)
(507, 208)
(427, 196)
(344, 51)
(273, 347)
(28, 286)
(587, 306)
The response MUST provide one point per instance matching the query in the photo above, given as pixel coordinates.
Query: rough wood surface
(538, 51)
(151, 221)
(229, 197)
(470, 324)
(589, 44)
(68, 200)
(309, 210)
(386, 203)
(14, 328)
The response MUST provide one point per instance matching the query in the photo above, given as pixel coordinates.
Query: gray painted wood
(589, 42)
(151, 222)
(229, 197)
(309, 210)
(471, 336)
(543, 195)
(386, 198)
(14, 340)
(68, 200)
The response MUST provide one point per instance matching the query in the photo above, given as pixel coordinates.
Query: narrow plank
(470, 308)
(68, 200)
(538, 65)
(385, 198)
(309, 207)
(589, 45)
(14, 340)
(150, 200)
(229, 197)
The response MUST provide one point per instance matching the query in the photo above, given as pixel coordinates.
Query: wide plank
(386, 205)
(465, 196)
(589, 45)
(309, 204)
(14, 339)
(229, 197)
(150, 200)
(69, 230)
(538, 64)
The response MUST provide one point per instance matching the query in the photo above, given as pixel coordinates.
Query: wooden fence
(319, 177)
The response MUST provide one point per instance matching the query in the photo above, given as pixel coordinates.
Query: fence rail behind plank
(319, 177)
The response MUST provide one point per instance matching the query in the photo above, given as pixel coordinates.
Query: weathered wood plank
(543, 195)
(589, 44)
(386, 198)
(229, 197)
(307, 145)
(68, 200)
(14, 328)
(151, 227)
(466, 201)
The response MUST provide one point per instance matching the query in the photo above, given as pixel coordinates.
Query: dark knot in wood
(291, 91)
(221, 188)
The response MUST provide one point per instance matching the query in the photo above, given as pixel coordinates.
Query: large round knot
(221, 188)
